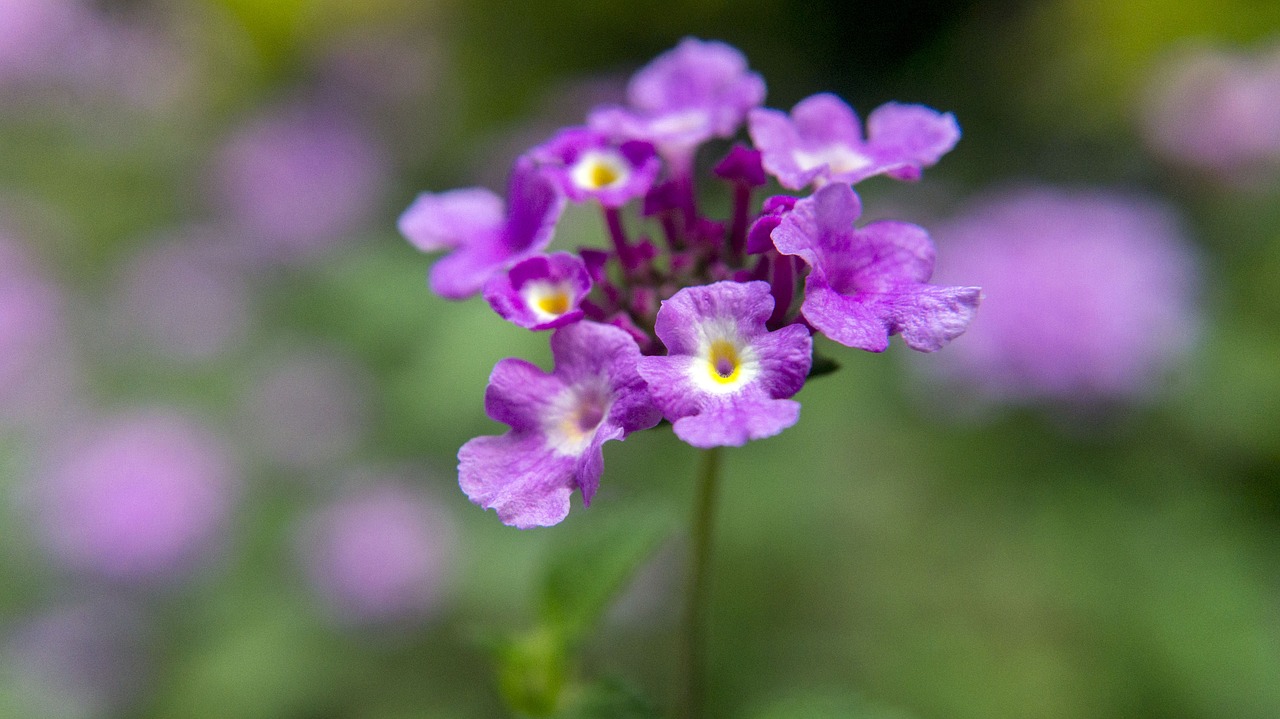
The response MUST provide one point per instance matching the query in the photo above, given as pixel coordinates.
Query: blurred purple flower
(77, 660)
(307, 408)
(137, 496)
(378, 554)
(1088, 295)
(1218, 111)
(298, 182)
(183, 299)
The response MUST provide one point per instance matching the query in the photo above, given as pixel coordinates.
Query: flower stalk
(694, 665)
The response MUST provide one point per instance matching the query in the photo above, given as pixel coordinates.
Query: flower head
(1089, 295)
(867, 284)
(822, 141)
(542, 292)
(726, 379)
(559, 424)
(484, 238)
(684, 97)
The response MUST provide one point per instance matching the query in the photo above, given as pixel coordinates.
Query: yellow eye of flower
(602, 175)
(723, 361)
(555, 303)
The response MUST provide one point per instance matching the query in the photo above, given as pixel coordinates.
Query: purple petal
(744, 306)
(825, 119)
(843, 318)
(911, 136)
(734, 420)
(785, 357)
(519, 477)
(533, 207)
(883, 254)
(438, 221)
(819, 225)
(929, 316)
(520, 394)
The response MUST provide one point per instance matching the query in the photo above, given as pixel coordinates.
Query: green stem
(695, 660)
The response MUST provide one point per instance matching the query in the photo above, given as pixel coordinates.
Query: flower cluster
(707, 323)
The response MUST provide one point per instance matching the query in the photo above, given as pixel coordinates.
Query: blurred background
(229, 407)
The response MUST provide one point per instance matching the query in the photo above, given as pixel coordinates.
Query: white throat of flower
(839, 159)
(599, 170)
(575, 414)
(547, 300)
(724, 363)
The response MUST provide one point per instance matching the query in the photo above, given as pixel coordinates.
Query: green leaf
(591, 562)
(533, 669)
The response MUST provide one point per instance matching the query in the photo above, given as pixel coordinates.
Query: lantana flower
(867, 284)
(559, 424)
(822, 141)
(587, 165)
(684, 97)
(542, 292)
(726, 379)
(484, 237)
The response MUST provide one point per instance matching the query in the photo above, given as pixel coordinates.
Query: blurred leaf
(826, 706)
(591, 563)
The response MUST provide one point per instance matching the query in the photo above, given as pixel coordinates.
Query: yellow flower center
(556, 303)
(598, 170)
(723, 362)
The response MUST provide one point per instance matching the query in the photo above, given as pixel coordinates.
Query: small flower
(1090, 295)
(542, 292)
(684, 97)
(559, 424)
(483, 237)
(867, 284)
(822, 141)
(587, 165)
(726, 378)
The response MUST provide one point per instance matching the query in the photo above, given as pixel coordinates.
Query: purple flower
(559, 424)
(726, 378)
(587, 165)
(1219, 112)
(690, 94)
(822, 141)
(1088, 294)
(141, 496)
(297, 182)
(378, 554)
(542, 292)
(867, 284)
(484, 239)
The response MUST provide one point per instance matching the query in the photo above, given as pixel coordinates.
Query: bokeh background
(229, 407)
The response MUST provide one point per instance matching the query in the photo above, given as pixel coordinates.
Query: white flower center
(575, 415)
(839, 159)
(600, 170)
(724, 363)
(547, 300)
